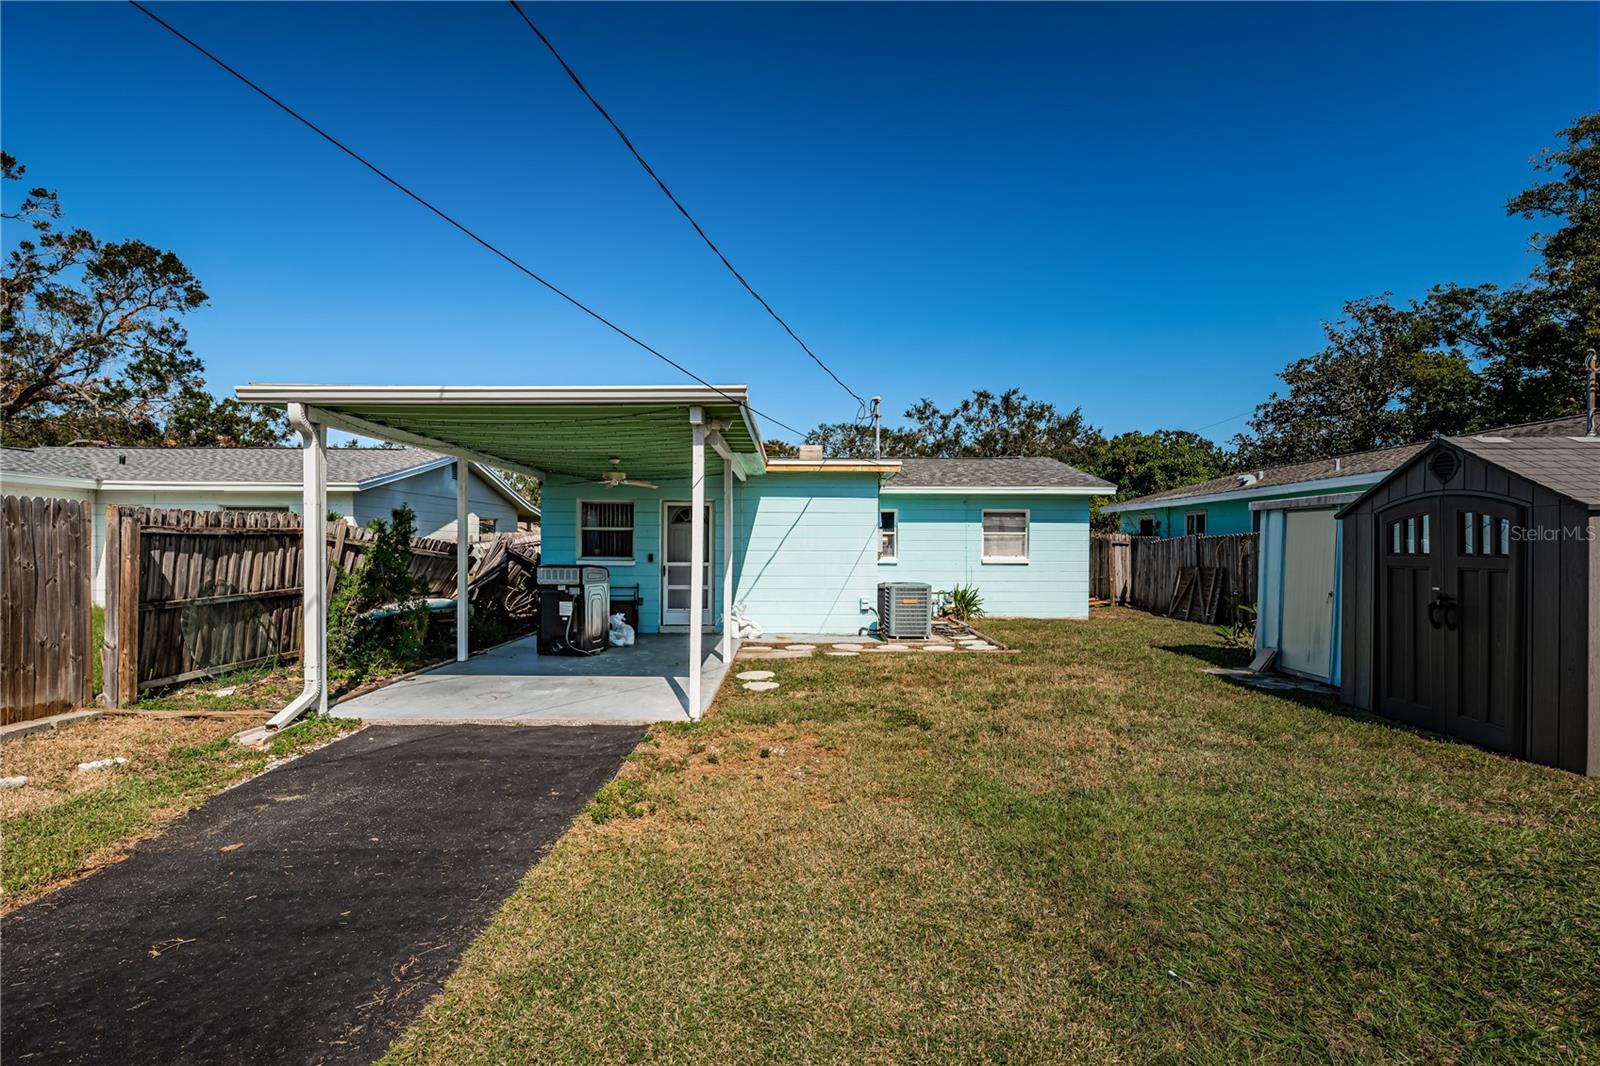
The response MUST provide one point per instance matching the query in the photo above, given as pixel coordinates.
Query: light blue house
(671, 489)
(813, 537)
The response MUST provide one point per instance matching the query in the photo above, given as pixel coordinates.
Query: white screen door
(676, 544)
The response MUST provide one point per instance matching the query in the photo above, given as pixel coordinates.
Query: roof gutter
(997, 490)
(1145, 503)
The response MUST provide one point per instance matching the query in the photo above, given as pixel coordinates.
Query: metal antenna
(1594, 368)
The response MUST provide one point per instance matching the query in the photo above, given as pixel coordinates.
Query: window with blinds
(605, 529)
(1005, 536)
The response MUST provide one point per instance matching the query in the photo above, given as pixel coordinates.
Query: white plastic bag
(621, 635)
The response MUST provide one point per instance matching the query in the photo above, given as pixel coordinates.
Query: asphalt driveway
(306, 915)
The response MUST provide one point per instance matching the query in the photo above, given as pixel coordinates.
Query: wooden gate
(47, 594)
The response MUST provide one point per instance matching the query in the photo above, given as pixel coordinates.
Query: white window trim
(1027, 537)
(1194, 514)
(895, 558)
(614, 560)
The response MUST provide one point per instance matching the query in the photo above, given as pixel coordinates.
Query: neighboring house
(814, 537)
(363, 483)
(1301, 554)
(1471, 592)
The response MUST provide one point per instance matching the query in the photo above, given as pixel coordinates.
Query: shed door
(1307, 638)
(1408, 643)
(1481, 623)
(1450, 618)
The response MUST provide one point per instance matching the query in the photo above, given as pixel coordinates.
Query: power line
(684, 211)
(358, 157)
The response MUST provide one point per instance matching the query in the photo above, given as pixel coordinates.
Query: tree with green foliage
(92, 344)
(985, 425)
(1465, 357)
(1142, 463)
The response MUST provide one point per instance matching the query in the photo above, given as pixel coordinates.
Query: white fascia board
(48, 480)
(1249, 493)
(502, 486)
(331, 396)
(995, 490)
(219, 486)
(889, 465)
(401, 475)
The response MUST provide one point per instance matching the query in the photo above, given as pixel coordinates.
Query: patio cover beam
(727, 560)
(363, 428)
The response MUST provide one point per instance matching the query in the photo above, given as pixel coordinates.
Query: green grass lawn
(1088, 851)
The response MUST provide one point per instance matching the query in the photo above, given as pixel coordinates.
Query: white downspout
(463, 559)
(313, 569)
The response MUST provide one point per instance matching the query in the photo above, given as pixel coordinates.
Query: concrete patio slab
(513, 683)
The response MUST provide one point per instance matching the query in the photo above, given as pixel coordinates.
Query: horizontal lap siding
(432, 495)
(941, 544)
(808, 551)
(558, 533)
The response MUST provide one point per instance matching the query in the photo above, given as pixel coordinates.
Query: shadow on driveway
(305, 916)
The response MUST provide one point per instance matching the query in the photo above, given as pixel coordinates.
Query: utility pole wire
(684, 211)
(353, 154)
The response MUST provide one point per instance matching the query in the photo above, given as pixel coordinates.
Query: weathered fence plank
(1149, 574)
(45, 592)
(195, 593)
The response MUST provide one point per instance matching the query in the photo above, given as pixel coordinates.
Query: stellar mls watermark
(1548, 533)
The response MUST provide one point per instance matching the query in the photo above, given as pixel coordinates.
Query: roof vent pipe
(877, 422)
(1336, 465)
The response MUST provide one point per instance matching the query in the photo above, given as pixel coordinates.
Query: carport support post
(463, 560)
(314, 548)
(727, 560)
(697, 553)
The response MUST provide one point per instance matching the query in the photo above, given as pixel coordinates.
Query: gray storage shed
(1471, 598)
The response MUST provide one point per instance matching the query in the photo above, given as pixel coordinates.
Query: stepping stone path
(760, 686)
(892, 647)
(755, 647)
(848, 647)
(845, 654)
(938, 647)
(753, 675)
(800, 647)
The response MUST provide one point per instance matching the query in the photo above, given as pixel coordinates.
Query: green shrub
(358, 642)
(964, 604)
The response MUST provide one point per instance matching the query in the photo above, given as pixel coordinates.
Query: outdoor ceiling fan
(614, 477)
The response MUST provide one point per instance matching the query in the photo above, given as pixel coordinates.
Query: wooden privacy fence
(194, 593)
(46, 590)
(1108, 567)
(1147, 579)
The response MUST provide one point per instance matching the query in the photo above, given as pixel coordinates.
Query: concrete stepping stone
(849, 646)
(938, 647)
(753, 675)
(846, 654)
(755, 647)
(799, 647)
(892, 647)
(760, 686)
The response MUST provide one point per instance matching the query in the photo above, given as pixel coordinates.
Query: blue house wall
(941, 543)
(806, 548)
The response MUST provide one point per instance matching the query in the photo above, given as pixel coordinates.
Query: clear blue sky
(1143, 210)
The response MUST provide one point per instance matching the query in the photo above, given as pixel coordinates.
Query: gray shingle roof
(1568, 465)
(266, 465)
(1017, 473)
(1379, 461)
